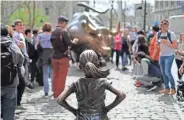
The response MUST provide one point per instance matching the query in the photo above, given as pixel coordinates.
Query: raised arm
(62, 100)
(120, 96)
(180, 52)
(134, 47)
(181, 70)
(129, 43)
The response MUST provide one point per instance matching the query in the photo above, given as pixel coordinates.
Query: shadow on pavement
(52, 107)
(167, 99)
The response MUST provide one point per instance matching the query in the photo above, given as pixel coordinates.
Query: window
(172, 3)
(47, 11)
(156, 4)
(166, 3)
(161, 3)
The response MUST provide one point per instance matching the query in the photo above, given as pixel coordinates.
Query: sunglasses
(164, 23)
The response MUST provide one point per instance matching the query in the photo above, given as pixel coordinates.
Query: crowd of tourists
(39, 55)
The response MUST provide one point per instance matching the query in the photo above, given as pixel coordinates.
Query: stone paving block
(139, 104)
(51, 118)
(143, 118)
(34, 117)
(128, 119)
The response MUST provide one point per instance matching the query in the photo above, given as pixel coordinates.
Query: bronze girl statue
(90, 91)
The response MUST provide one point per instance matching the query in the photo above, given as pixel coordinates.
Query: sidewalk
(139, 104)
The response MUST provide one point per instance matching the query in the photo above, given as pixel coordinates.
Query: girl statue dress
(90, 91)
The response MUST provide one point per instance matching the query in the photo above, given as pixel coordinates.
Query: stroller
(180, 91)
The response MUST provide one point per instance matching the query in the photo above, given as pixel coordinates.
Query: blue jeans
(124, 57)
(165, 66)
(47, 69)
(8, 102)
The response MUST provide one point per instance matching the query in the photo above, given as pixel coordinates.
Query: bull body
(91, 32)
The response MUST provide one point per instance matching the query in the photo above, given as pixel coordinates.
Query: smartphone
(163, 37)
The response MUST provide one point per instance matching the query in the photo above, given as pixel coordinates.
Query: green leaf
(23, 14)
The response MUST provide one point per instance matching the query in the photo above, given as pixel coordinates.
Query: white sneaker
(153, 88)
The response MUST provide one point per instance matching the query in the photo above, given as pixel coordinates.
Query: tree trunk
(29, 12)
(30, 16)
(33, 22)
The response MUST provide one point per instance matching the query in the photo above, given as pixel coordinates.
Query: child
(90, 91)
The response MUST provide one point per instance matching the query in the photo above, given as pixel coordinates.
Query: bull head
(91, 31)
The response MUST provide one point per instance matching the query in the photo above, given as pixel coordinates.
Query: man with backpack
(11, 60)
(166, 41)
(60, 41)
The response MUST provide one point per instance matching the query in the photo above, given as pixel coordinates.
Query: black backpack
(168, 36)
(58, 43)
(8, 68)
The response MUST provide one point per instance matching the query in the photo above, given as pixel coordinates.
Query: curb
(177, 108)
(180, 113)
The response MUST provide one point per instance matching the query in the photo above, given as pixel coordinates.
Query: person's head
(141, 32)
(164, 24)
(19, 26)
(182, 37)
(126, 31)
(46, 27)
(141, 40)
(10, 31)
(62, 21)
(155, 29)
(4, 30)
(28, 33)
(89, 64)
(134, 29)
(35, 32)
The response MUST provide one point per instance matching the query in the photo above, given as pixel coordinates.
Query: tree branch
(9, 14)
(34, 7)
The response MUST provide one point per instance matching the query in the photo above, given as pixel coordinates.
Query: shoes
(30, 86)
(138, 84)
(117, 68)
(134, 77)
(152, 88)
(46, 94)
(124, 68)
(172, 92)
(165, 91)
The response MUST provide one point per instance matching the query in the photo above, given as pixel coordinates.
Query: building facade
(51, 9)
(165, 9)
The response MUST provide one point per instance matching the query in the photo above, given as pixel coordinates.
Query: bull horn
(86, 6)
(113, 33)
(88, 27)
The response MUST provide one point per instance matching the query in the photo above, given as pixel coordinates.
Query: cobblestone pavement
(139, 104)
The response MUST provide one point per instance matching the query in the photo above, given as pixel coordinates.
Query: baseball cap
(62, 19)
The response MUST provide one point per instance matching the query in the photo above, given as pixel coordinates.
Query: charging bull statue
(91, 32)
